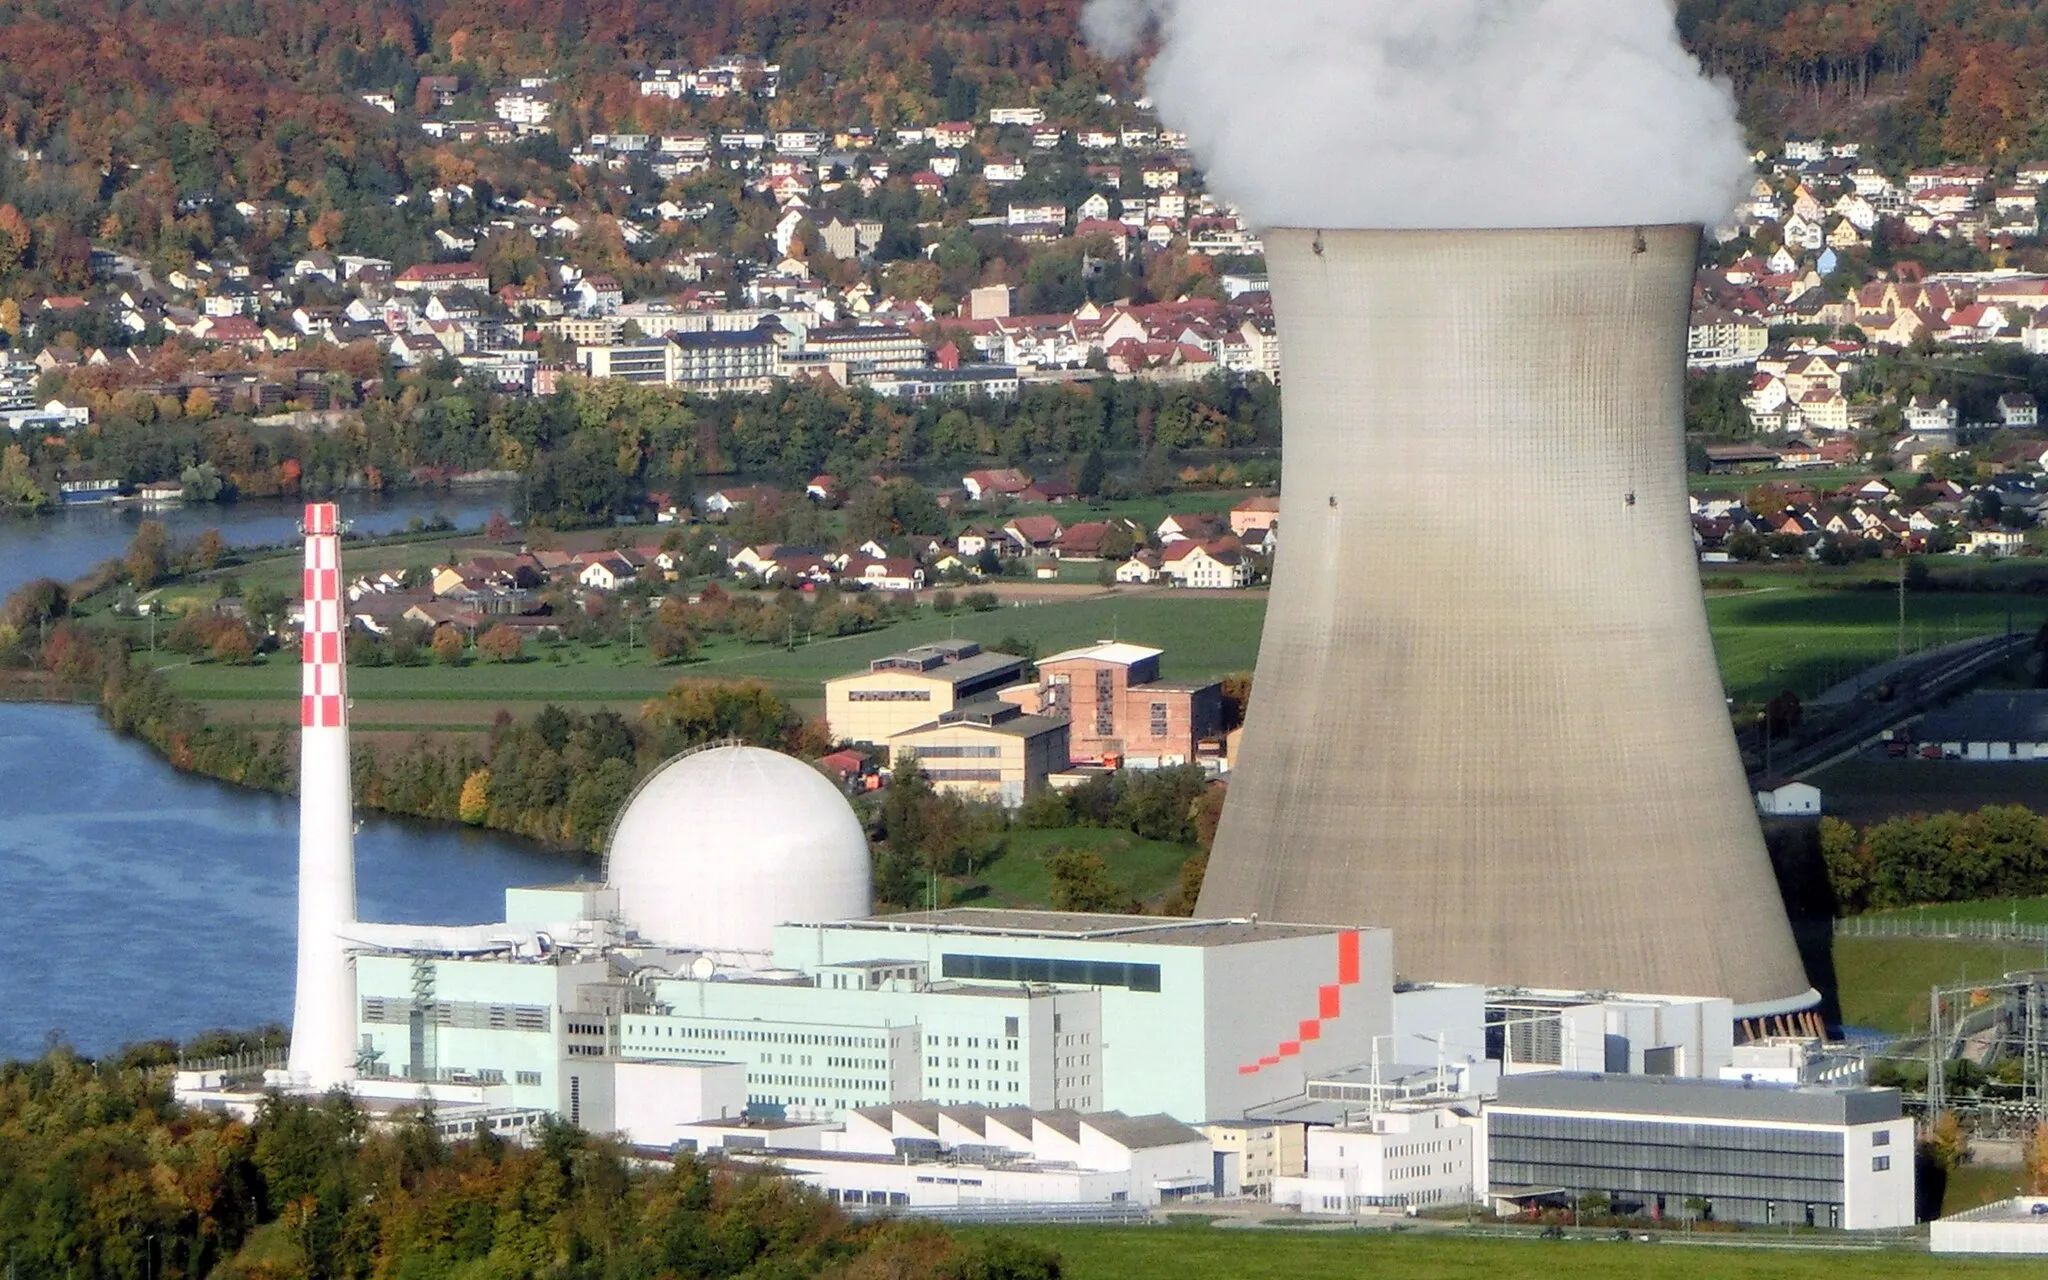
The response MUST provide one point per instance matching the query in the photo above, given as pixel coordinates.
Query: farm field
(1776, 633)
(1181, 1252)
(1205, 637)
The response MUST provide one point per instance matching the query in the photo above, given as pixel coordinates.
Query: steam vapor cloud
(1439, 113)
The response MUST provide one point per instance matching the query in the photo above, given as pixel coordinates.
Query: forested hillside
(1924, 80)
(141, 102)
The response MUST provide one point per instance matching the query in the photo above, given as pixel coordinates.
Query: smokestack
(1487, 713)
(323, 1009)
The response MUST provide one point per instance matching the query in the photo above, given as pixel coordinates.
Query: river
(65, 543)
(137, 902)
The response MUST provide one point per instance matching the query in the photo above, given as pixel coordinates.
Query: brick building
(1119, 709)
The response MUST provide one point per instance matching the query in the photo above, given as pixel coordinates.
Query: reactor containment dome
(1504, 739)
(720, 845)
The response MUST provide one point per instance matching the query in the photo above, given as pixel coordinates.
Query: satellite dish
(702, 968)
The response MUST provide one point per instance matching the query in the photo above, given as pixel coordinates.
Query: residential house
(1142, 568)
(1260, 512)
(607, 572)
(1219, 563)
(1930, 415)
(983, 485)
(1030, 535)
(2018, 409)
(896, 573)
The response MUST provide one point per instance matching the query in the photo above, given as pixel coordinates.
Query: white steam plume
(1439, 113)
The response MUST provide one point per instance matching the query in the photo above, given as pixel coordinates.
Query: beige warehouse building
(912, 688)
(987, 750)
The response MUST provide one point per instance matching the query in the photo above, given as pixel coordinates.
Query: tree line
(104, 1177)
(1999, 851)
(599, 449)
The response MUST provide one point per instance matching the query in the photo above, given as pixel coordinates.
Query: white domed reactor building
(719, 846)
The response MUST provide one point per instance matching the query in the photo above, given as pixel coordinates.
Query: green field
(1184, 1253)
(1777, 633)
(1805, 638)
(1147, 868)
(1204, 636)
(1883, 982)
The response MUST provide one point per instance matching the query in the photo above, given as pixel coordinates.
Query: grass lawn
(1185, 1253)
(1205, 636)
(1147, 512)
(1804, 638)
(1973, 1185)
(1148, 868)
(1883, 982)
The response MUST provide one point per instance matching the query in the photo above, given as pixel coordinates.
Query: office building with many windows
(1730, 1150)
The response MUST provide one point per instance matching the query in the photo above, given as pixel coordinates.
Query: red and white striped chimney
(323, 1009)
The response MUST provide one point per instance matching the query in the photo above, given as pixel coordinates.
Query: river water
(137, 902)
(66, 543)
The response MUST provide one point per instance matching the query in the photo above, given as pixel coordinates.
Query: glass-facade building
(1735, 1151)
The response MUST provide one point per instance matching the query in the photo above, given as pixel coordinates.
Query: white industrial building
(924, 1156)
(1409, 1157)
(2015, 1226)
(1732, 1150)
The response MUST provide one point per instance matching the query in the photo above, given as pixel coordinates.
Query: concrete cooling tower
(1486, 712)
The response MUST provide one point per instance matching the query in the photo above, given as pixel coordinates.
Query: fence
(1943, 930)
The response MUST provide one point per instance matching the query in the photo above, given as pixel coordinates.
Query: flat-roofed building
(989, 750)
(632, 362)
(867, 349)
(1200, 1019)
(2017, 1225)
(1265, 1150)
(1736, 1151)
(1120, 709)
(1409, 1157)
(899, 692)
(717, 362)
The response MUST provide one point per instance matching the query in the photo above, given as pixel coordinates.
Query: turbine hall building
(1512, 752)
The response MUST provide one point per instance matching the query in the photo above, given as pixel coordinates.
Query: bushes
(2000, 851)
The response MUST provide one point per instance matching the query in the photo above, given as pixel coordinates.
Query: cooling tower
(1486, 712)
(323, 1004)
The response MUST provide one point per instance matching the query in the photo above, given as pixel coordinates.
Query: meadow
(1178, 1252)
(1883, 982)
(1777, 636)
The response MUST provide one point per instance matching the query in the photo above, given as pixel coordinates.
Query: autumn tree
(502, 644)
(148, 556)
(232, 644)
(208, 549)
(476, 797)
(670, 636)
(447, 645)
(694, 712)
